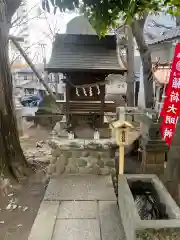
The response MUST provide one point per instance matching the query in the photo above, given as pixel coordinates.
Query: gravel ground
(19, 208)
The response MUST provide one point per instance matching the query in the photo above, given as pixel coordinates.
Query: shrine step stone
(80, 188)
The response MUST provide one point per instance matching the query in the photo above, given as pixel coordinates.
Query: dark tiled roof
(83, 53)
(170, 35)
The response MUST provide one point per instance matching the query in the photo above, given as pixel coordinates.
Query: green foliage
(173, 7)
(106, 13)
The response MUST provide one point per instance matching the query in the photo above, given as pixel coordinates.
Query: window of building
(25, 78)
(18, 57)
(61, 96)
(57, 79)
(30, 90)
(121, 85)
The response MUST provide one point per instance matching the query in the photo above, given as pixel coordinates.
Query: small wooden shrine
(85, 61)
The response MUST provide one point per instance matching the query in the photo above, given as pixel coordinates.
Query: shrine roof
(75, 52)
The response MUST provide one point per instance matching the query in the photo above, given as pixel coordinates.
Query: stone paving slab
(80, 187)
(45, 221)
(94, 216)
(78, 209)
(110, 222)
(77, 229)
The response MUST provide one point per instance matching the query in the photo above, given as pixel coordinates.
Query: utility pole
(130, 64)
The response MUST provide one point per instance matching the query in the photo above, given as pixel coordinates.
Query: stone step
(80, 187)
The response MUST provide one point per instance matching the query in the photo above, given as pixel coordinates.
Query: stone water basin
(166, 226)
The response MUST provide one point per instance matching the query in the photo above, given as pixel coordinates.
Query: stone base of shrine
(82, 157)
(153, 163)
(82, 130)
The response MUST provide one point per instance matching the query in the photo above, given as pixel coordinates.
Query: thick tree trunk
(12, 160)
(145, 54)
(130, 62)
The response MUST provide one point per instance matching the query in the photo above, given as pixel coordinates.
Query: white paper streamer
(96, 135)
(90, 91)
(98, 89)
(77, 92)
(84, 91)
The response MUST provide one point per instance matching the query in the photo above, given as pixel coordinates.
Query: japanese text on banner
(171, 107)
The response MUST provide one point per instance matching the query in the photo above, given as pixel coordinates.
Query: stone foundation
(153, 148)
(82, 130)
(153, 162)
(82, 157)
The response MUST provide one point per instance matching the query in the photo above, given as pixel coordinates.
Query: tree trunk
(12, 160)
(178, 21)
(130, 62)
(145, 54)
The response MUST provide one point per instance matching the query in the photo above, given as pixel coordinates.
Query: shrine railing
(88, 107)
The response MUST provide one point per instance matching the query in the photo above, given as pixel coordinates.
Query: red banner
(171, 108)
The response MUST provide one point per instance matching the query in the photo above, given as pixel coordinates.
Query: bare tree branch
(48, 24)
(27, 21)
(34, 57)
(18, 18)
(29, 62)
(48, 35)
(13, 60)
(54, 28)
(18, 25)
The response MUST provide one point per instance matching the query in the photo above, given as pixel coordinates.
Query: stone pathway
(78, 208)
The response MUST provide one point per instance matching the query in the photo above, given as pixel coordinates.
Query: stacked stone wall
(82, 158)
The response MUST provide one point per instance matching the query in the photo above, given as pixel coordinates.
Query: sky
(43, 26)
(47, 26)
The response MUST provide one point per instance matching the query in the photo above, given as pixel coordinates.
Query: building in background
(25, 82)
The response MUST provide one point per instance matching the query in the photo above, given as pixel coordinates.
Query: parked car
(31, 101)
